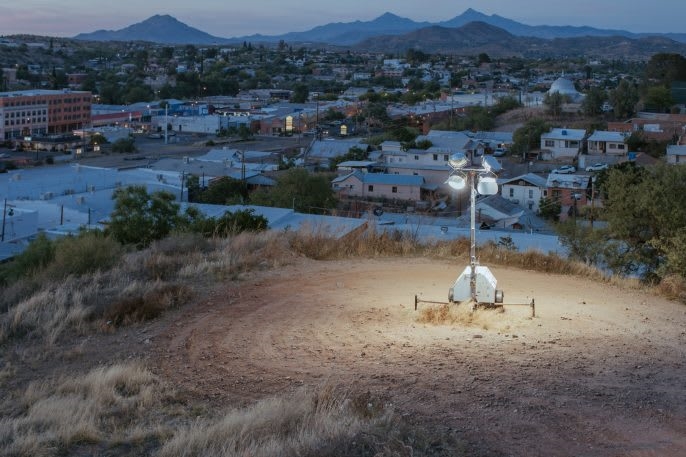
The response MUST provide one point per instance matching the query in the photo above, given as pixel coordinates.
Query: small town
(225, 233)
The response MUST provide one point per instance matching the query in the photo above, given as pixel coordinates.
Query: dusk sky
(228, 19)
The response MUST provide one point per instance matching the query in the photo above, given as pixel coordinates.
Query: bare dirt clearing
(600, 371)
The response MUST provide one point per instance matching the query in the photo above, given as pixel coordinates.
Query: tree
(124, 145)
(583, 243)
(665, 68)
(593, 102)
(138, 93)
(646, 212)
(354, 153)
(624, 98)
(528, 136)
(300, 190)
(224, 190)
(139, 218)
(549, 209)
(554, 101)
(230, 223)
(98, 138)
(658, 98)
(300, 93)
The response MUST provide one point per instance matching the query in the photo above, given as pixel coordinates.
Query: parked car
(597, 167)
(499, 152)
(565, 170)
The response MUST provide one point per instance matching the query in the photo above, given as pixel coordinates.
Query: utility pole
(4, 213)
(592, 199)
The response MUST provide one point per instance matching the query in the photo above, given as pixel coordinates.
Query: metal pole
(472, 236)
(4, 213)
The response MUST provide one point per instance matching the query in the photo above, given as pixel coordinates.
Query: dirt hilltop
(600, 371)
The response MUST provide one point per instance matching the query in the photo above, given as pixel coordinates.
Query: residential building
(653, 126)
(570, 191)
(496, 211)
(606, 143)
(676, 154)
(524, 190)
(379, 185)
(562, 143)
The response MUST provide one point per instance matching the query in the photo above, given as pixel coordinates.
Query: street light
(460, 177)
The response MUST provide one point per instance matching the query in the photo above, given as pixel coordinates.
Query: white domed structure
(564, 86)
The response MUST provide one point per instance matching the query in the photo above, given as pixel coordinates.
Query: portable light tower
(476, 282)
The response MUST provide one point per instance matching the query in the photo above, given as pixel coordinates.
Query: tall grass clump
(673, 287)
(83, 254)
(97, 410)
(235, 255)
(274, 426)
(325, 423)
(318, 245)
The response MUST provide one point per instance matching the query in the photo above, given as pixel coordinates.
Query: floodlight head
(487, 185)
(457, 182)
(491, 164)
(457, 161)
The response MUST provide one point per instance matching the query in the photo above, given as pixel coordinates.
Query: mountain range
(389, 32)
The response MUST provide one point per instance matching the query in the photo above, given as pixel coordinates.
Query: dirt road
(599, 372)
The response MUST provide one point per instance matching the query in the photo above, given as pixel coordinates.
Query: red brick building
(35, 113)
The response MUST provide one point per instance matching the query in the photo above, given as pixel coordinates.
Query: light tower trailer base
(478, 284)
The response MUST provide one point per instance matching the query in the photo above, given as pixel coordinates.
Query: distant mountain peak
(160, 28)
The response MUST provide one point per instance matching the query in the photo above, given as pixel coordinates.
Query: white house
(379, 185)
(562, 143)
(498, 212)
(524, 190)
(606, 143)
(676, 154)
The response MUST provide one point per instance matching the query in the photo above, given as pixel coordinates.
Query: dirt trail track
(599, 372)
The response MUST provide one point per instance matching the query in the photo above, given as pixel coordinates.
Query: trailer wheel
(499, 296)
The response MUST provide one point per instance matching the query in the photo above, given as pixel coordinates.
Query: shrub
(86, 253)
(147, 305)
(38, 254)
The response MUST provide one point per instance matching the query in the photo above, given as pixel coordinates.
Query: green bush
(88, 252)
(35, 258)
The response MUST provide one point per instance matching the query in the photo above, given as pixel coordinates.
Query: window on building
(370, 188)
(511, 192)
(445, 157)
(549, 143)
(531, 193)
(416, 157)
(435, 156)
(394, 189)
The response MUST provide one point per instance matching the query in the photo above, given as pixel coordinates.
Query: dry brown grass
(673, 287)
(145, 302)
(275, 426)
(102, 408)
(125, 406)
(461, 314)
